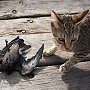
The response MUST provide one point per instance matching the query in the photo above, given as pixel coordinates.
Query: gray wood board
(35, 7)
(38, 25)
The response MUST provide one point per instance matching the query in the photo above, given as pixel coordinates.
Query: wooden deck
(32, 17)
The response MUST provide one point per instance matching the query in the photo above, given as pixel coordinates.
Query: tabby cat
(71, 33)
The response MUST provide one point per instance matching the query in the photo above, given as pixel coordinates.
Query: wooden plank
(20, 8)
(29, 25)
(7, 6)
(61, 6)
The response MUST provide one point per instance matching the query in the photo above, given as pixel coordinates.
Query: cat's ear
(55, 17)
(78, 17)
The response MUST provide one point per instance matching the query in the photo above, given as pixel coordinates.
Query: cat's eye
(61, 39)
(68, 25)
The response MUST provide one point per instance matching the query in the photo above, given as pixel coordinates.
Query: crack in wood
(20, 33)
(11, 16)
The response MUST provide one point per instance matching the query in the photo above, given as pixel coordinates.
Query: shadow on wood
(56, 60)
(52, 60)
(77, 79)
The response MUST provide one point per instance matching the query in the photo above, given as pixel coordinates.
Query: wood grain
(32, 8)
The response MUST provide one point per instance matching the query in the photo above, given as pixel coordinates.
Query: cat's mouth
(66, 48)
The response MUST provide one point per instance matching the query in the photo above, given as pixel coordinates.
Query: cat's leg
(50, 51)
(72, 61)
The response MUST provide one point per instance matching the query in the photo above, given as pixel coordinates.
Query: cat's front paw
(47, 52)
(63, 68)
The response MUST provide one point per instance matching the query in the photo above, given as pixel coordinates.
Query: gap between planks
(11, 16)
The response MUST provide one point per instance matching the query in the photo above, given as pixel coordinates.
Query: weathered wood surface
(38, 25)
(20, 8)
(36, 31)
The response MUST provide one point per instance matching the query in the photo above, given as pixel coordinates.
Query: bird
(13, 59)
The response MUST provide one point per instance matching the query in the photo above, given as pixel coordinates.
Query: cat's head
(65, 28)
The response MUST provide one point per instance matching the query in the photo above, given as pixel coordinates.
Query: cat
(71, 33)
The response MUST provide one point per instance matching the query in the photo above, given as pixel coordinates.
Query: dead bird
(14, 60)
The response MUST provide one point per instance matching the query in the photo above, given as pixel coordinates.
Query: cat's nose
(67, 44)
(67, 48)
